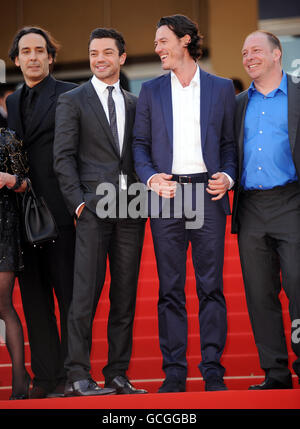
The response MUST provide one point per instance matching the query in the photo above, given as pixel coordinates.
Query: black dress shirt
(29, 100)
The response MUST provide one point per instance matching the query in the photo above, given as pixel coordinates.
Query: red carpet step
(233, 400)
(240, 356)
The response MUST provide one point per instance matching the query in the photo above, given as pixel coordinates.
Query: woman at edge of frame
(13, 171)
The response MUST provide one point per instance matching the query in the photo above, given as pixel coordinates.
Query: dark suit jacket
(3, 121)
(38, 143)
(153, 131)
(85, 153)
(294, 137)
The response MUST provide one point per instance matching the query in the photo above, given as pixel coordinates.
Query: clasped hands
(164, 186)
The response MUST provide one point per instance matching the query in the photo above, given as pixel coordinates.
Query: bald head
(273, 40)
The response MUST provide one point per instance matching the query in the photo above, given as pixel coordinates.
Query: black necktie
(113, 116)
(28, 107)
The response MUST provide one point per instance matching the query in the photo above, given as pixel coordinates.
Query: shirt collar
(282, 87)
(101, 86)
(36, 88)
(283, 84)
(194, 82)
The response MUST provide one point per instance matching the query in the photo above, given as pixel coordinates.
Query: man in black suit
(266, 210)
(31, 113)
(92, 147)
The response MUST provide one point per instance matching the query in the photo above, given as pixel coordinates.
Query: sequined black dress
(12, 161)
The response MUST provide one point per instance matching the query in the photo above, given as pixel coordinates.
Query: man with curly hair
(184, 140)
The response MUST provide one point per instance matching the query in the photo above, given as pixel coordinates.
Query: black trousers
(269, 245)
(121, 241)
(47, 269)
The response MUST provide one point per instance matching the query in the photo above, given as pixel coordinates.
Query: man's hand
(218, 185)
(161, 184)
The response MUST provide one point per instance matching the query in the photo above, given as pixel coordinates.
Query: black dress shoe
(271, 383)
(86, 387)
(215, 384)
(172, 384)
(37, 392)
(123, 386)
(58, 392)
(68, 388)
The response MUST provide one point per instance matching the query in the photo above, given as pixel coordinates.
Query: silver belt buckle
(184, 183)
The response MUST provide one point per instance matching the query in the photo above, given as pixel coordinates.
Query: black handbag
(39, 224)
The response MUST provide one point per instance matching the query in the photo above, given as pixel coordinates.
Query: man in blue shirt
(266, 208)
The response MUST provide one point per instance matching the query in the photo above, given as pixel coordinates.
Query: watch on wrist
(19, 181)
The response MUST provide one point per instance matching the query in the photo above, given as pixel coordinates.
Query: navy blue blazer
(153, 130)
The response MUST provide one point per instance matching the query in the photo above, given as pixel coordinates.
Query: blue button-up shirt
(267, 153)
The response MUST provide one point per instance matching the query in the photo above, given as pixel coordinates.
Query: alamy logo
(2, 71)
(136, 202)
(2, 331)
(296, 73)
(296, 331)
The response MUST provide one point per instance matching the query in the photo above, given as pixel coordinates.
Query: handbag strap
(29, 192)
(29, 187)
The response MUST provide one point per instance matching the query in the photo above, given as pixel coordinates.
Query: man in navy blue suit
(184, 137)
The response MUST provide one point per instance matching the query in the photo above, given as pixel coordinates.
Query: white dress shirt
(187, 150)
(102, 92)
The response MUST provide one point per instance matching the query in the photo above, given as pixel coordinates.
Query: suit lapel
(166, 102)
(240, 120)
(205, 100)
(129, 118)
(97, 107)
(293, 110)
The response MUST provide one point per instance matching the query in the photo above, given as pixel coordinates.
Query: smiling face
(33, 58)
(171, 49)
(260, 58)
(105, 61)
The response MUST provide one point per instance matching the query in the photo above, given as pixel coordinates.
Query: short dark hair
(273, 40)
(51, 44)
(109, 33)
(182, 25)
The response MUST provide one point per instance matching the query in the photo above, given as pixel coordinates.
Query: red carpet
(240, 357)
(285, 399)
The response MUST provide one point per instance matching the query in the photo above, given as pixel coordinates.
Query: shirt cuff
(76, 211)
(148, 181)
(231, 182)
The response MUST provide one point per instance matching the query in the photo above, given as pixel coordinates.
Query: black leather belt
(269, 191)
(192, 178)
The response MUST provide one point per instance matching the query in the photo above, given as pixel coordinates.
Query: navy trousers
(171, 239)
